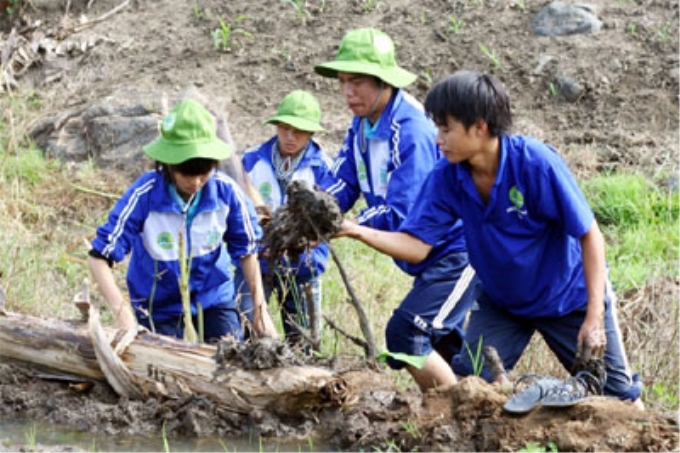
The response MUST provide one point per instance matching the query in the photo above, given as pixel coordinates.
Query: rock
(545, 63)
(569, 89)
(559, 19)
(111, 131)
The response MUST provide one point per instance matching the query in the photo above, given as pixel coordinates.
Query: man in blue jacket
(387, 153)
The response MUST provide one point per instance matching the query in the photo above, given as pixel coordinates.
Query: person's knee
(627, 390)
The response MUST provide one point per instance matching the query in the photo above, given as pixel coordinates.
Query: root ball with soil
(310, 216)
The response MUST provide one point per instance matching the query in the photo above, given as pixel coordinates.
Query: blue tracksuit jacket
(314, 169)
(146, 222)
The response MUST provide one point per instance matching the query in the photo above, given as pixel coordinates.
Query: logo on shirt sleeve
(517, 199)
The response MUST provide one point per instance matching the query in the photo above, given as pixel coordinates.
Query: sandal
(573, 390)
(529, 391)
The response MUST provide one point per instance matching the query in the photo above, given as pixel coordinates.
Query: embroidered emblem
(266, 190)
(362, 171)
(165, 240)
(517, 199)
(383, 176)
(213, 238)
(169, 122)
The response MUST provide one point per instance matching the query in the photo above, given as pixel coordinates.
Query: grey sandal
(573, 390)
(529, 392)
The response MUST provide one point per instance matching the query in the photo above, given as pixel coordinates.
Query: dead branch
(85, 25)
(369, 346)
(354, 300)
(357, 341)
(302, 331)
(94, 192)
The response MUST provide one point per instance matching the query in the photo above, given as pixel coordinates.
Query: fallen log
(164, 366)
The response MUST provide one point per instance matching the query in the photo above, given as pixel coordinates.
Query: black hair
(469, 96)
(191, 167)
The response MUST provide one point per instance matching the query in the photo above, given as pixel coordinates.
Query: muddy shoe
(574, 390)
(529, 391)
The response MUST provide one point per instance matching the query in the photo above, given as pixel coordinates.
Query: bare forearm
(253, 277)
(401, 246)
(592, 248)
(262, 321)
(103, 277)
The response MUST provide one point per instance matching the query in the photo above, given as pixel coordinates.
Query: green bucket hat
(187, 132)
(299, 109)
(367, 51)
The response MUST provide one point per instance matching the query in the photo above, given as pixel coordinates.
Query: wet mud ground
(466, 417)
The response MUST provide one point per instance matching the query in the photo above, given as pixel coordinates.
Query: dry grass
(648, 318)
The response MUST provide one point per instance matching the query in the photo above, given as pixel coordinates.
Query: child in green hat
(185, 195)
(387, 153)
(290, 155)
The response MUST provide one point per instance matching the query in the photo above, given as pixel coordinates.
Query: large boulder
(110, 131)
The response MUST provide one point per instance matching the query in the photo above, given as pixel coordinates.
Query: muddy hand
(494, 364)
(264, 215)
(263, 326)
(592, 343)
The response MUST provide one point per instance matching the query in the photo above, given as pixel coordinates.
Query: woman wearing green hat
(386, 156)
(290, 155)
(183, 195)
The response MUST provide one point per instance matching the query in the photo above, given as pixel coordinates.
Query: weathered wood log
(161, 365)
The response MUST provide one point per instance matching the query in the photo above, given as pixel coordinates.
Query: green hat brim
(396, 76)
(298, 123)
(173, 153)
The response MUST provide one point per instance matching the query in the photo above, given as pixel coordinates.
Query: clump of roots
(259, 354)
(309, 217)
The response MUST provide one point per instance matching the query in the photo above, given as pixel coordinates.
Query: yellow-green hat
(299, 109)
(187, 132)
(367, 51)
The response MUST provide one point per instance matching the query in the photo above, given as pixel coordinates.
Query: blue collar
(189, 210)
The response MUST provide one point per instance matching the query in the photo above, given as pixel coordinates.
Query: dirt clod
(310, 216)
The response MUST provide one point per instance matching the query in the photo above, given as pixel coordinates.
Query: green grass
(640, 222)
(225, 35)
(31, 438)
(491, 55)
(534, 447)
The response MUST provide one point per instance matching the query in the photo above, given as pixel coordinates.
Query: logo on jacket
(361, 170)
(165, 240)
(517, 199)
(265, 190)
(213, 238)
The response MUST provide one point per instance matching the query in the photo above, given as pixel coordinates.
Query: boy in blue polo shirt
(387, 153)
(531, 234)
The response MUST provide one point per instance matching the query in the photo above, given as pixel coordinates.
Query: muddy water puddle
(27, 435)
